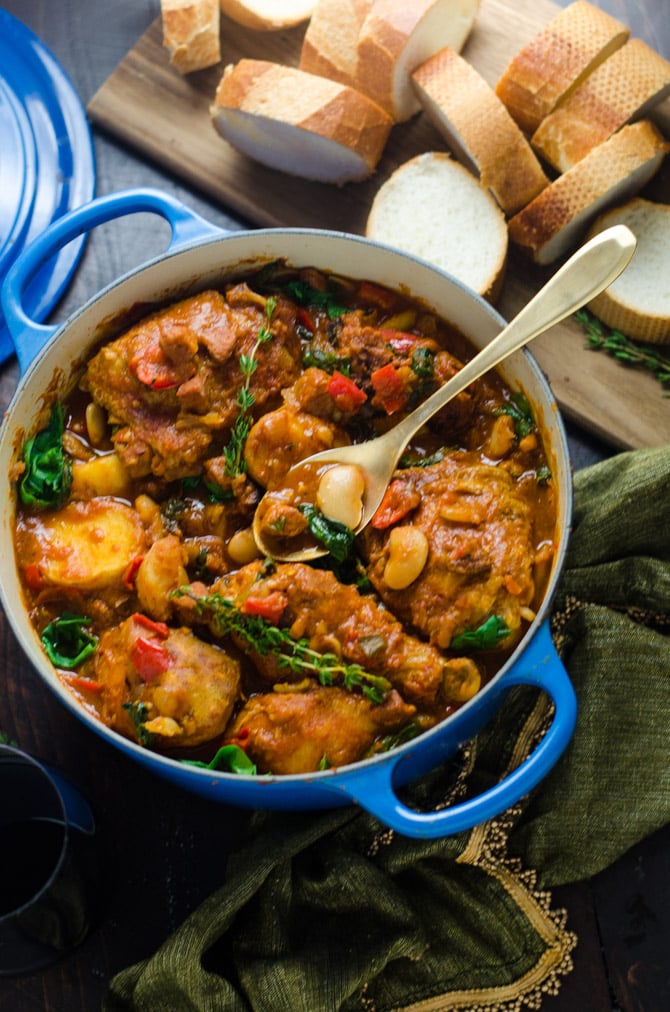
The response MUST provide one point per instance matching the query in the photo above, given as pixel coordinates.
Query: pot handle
(30, 337)
(540, 666)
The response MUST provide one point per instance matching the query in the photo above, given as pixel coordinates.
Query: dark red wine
(29, 852)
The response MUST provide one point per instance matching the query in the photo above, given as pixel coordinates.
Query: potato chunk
(87, 545)
(104, 475)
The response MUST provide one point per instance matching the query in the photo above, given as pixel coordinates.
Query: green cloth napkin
(330, 911)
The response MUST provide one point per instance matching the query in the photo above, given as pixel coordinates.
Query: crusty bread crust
(268, 15)
(299, 123)
(638, 302)
(478, 129)
(191, 33)
(434, 208)
(617, 169)
(557, 60)
(624, 87)
(329, 44)
(397, 36)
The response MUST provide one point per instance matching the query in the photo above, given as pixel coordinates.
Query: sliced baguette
(191, 33)
(478, 129)
(299, 123)
(268, 15)
(638, 301)
(329, 44)
(397, 36)
(555, 222)
(557, 60)
(625, 87)
(432, 207)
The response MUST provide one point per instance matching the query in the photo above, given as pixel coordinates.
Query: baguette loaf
(268, 15)
(553, 223)
(397, 36)
(299, 123)
(478, 129)
(329, 44)
(432, 207)
(626, 86)
(191, 33)
(557, 60)
(638, 301)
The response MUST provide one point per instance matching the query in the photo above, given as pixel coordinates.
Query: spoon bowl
(583, 276)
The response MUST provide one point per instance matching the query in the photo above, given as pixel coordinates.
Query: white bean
(408, 553)
(340, 494)
(96, 423)
(242, 547)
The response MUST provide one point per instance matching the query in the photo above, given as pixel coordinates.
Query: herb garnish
(519, 410)
(620, 347)
(336, 537)
(234, 452)
(230, 757)
(48, 475)
(66, 641)
(407, 460)
(485, 637)
(295, 655)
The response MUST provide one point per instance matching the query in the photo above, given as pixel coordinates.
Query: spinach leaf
(519, 410)
(333, 535)
(305, 295)
(423, 363)
(48, 475)
(66, 641)
(485, 637)
(228, 757)
(326, 360)
(139, 714)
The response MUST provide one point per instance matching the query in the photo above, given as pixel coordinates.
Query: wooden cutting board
(151, 107)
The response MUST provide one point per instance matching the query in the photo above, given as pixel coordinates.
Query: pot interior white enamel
(371, 783)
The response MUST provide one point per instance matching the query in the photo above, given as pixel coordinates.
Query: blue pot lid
(47, 165)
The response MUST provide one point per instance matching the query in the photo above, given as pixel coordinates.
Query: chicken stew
(134, 527)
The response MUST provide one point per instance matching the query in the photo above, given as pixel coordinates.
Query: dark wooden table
(166, 849)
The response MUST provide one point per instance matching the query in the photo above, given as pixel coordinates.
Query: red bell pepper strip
(159, 628)
(152, 368)
(32, 574)
(389, 388)
(347, 395)
(85, 684)
(399, 340)
(376, 295)
(131, 572)
(305, 318)
(270, 608)
(150, 658)
(399, 500)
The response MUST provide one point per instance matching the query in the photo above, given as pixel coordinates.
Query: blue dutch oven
(199, 256)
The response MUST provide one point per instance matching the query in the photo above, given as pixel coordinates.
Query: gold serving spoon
(586, 273)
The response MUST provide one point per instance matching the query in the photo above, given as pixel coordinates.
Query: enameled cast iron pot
(199, 256)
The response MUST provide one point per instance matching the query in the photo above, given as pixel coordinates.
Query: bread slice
(329, 44)
(625, 87)
(478, 129)
(432, 207)
(191, 33)
(397, 36)
(557, 219)
(268, 15)
(557, 60)
(299, 123)
(638, 301)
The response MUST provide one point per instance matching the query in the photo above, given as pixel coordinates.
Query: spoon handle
(586, 273)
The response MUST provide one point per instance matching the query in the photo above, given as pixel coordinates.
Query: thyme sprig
(234, 452)
(295, 655)
(630, 353)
